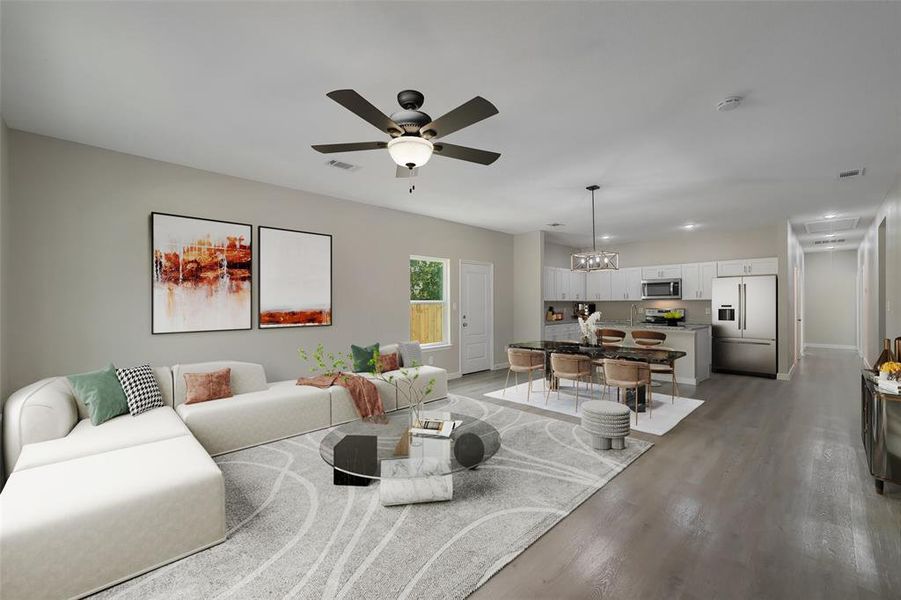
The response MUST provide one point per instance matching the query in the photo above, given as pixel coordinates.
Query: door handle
(744, 304)
(739, 307)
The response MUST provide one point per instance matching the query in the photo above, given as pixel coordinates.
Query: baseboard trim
(832, 346)
(454, 375)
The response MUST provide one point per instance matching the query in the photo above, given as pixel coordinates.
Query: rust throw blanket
(363, 392)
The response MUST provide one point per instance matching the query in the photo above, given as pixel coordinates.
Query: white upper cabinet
(662, 272)
(576, 285)
(763, 266)
(691, 281)
(708, 274)
(563, 284)
(547, 282)
(697, 280)
(626, 284)
(747, 266)
(599, 285)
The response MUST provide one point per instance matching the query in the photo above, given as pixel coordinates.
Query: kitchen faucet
(632, 310)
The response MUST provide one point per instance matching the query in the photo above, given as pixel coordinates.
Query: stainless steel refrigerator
(744, 325)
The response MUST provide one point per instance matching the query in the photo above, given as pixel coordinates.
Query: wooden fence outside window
(427, 321)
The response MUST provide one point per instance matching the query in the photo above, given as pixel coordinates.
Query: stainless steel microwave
(653, 289)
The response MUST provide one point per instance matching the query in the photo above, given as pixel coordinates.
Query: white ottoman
(607, 424)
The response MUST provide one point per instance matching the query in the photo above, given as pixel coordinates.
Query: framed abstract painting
(201, 274)
(295, 278)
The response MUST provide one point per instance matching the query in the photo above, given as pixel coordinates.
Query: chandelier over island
(595, 260)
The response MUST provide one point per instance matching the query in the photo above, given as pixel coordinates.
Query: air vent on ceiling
(829, 241)
(555, 224)
(852, 173)
(342, 165)
(832, 225)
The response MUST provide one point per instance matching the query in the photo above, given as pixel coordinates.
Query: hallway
(763, 492)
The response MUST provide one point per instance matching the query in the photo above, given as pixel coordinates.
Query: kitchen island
(691, 338)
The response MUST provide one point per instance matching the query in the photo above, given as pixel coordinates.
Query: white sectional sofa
(87, 506)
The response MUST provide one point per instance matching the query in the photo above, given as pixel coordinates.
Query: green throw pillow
(363, 357)
(101, 392)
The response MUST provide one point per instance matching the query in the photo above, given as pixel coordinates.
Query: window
(429, 317)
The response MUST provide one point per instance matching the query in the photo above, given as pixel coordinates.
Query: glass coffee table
(409, 468)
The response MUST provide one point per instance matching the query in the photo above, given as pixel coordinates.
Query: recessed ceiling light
(830, 235)
(729, 103)
(689, 226)
(606, 236)
(830, 216)
(830, 247)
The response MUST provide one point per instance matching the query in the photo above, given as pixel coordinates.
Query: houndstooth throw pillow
(141, 389)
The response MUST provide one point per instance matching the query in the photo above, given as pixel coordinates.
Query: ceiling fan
(412, 130)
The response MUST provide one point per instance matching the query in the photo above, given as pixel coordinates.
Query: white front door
(475, 317)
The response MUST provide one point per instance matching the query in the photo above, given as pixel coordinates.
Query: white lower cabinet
(563, 332)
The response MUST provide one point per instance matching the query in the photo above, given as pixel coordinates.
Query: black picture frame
(260, 283)
(153, 324)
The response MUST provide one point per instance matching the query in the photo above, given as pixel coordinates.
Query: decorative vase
(885, 356)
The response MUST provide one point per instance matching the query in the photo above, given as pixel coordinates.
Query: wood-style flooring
(763, 492)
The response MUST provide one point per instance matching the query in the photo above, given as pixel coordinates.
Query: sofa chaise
(86, 507)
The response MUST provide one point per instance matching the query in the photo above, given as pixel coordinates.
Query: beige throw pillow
(202, 387)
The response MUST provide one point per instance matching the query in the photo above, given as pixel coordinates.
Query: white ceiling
(619, 94)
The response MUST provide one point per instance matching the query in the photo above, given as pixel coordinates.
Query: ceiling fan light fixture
(410, 151)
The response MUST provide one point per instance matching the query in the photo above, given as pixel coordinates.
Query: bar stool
(655, 339)
(523, 361)
(607, 337)
(575, 367)
(629, 375)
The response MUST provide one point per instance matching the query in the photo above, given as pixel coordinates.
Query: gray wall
(830, 298)
(528, 251)
(868, 292)
(79, 283)
(4, 240)
(557, 255)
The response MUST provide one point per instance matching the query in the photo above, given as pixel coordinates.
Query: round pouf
(607, 424)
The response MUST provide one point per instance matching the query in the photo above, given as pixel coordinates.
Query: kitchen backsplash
(695, 310)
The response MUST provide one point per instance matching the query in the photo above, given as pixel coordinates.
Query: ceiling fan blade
(483, 157)
(361, 107)
(463, 116)
(352, 147)
(404, 172)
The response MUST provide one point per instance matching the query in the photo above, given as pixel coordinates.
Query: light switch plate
(706, 310)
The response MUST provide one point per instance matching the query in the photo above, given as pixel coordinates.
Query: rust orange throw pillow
(388, 362)
(202, 387)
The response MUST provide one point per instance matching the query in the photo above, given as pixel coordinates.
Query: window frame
(445, 301)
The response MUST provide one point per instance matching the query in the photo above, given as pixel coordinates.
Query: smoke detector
(729, 103)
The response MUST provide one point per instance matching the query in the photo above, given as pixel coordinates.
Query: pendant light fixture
(596, 260)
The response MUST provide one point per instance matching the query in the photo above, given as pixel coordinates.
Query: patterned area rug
(665, 415)
(292, 534)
